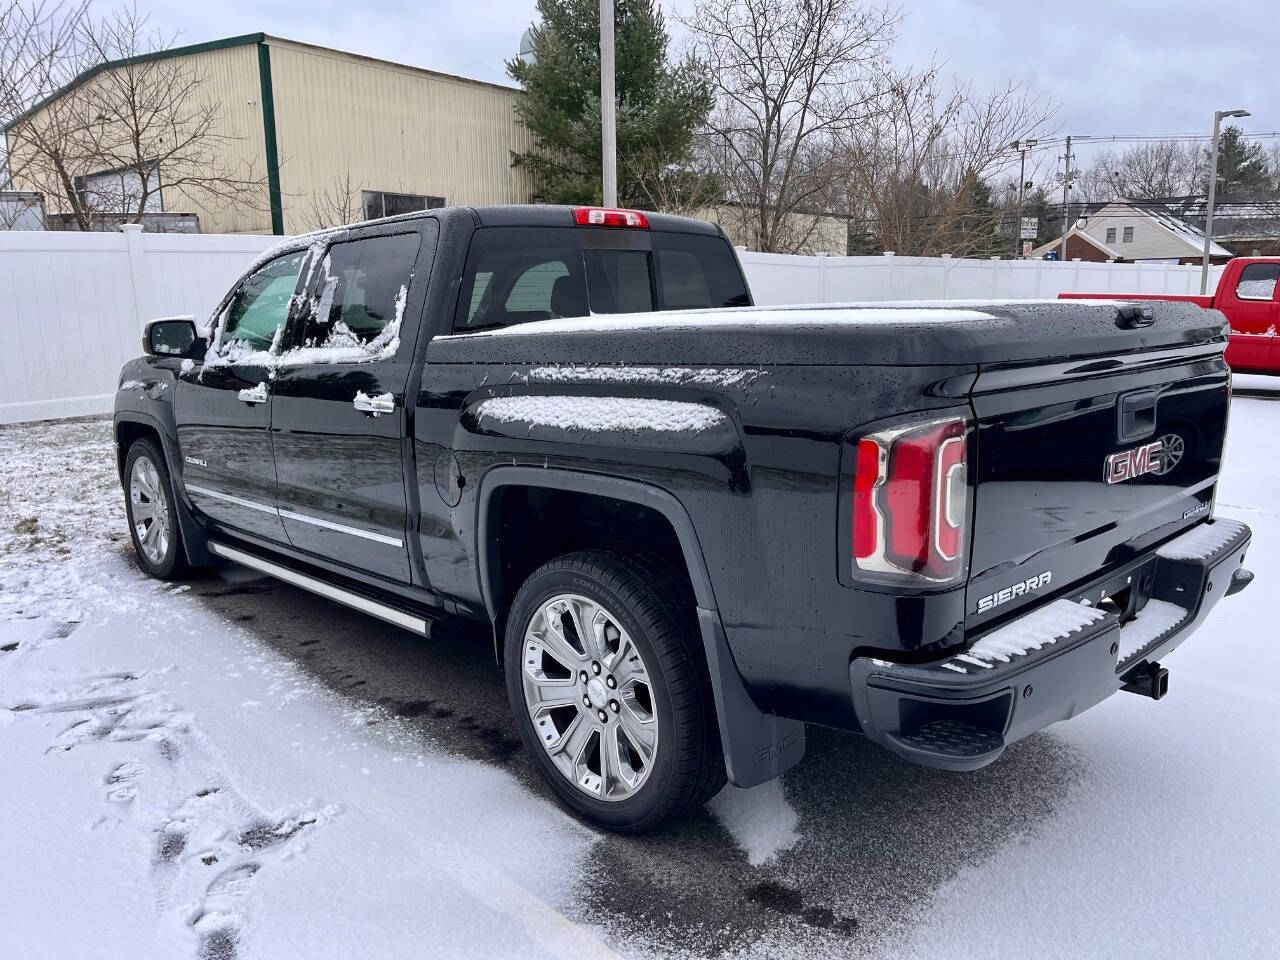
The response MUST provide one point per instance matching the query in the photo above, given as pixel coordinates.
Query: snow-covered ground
(233, 769)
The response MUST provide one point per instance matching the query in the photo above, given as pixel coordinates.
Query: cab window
(522, 274)
(519, 274)
(1258, 281)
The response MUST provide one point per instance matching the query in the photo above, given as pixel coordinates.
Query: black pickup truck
(945, 526)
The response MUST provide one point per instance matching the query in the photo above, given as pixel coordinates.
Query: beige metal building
(315, 121)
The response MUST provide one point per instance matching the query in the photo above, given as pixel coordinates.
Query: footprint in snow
(207, 852)
(122, 782)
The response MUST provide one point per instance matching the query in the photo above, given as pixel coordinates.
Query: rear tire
(152, 512)
(625, 732)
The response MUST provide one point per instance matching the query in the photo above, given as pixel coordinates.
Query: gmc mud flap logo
(775, 750)
(1134, 463)
(1029, 585)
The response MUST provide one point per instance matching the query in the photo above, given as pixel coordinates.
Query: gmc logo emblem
(1133, 463)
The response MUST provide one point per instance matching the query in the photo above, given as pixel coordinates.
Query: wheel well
(530, 525)
(129, 432)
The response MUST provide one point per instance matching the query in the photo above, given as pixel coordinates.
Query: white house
(1147, 231)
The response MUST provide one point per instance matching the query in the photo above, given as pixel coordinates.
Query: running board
(408, 621)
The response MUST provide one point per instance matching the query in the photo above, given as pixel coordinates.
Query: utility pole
(608, 106)
(1022, 146)
(1213, 184)
(1066, 199)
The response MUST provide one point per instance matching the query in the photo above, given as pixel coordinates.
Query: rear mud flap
(757, 746)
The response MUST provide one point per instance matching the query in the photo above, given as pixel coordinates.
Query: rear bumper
(960, 712)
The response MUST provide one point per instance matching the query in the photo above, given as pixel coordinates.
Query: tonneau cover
(904, 333)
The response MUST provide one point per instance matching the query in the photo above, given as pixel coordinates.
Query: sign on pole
(1026, 249)
(1030, 228)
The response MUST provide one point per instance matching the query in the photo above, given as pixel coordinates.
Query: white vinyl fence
(72, 305)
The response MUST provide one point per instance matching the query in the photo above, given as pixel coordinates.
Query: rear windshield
(520, 274)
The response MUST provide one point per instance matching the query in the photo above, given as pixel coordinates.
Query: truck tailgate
(1082, 465)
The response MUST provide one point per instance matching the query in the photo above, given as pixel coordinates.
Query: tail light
(607, 217)
(910, 501)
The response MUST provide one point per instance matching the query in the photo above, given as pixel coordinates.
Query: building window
(1128, 234)
(1111, 234)
(378, 203)
(120, 191)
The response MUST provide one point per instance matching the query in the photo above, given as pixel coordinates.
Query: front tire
(606, 678)
(152, 512)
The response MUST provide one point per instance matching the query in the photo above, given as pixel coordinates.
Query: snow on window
(1258, 281)
(1256, 289)
(358, 306)
(600, 414)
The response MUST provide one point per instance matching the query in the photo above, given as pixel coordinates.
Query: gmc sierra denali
(945, 526)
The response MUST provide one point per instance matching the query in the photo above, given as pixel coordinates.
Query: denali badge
(1198, 508)
(991, 601)
(1133, 463)
(195, 461)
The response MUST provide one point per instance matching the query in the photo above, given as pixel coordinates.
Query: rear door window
(521, 274)
(357, 302)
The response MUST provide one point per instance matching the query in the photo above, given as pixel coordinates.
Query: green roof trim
(240, 41)
(269, 137)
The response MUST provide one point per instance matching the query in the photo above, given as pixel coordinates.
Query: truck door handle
(256, 394)
(374, 406)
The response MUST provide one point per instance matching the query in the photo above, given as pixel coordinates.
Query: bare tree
(920, 168)
(103, 145)
(790, 77)
(691, 187)
(40, 53)
(336, 205)
(1148, 171)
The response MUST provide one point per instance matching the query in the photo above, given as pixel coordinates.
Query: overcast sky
(1113, 66)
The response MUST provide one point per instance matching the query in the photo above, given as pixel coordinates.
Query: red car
(1249, 296)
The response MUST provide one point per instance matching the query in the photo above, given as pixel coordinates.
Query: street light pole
(1213, 189)
(608, 107)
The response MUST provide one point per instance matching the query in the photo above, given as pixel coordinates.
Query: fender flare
(757, 746)
(195, 538)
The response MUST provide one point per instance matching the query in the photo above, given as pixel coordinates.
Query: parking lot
(362, 790)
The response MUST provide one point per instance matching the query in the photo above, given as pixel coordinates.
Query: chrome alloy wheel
(149, 510)
(1172, 449)
(588, 693)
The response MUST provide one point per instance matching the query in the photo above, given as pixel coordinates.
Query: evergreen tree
(659, 106)
(1243, 170)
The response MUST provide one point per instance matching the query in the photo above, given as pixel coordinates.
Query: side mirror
(172, 337)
